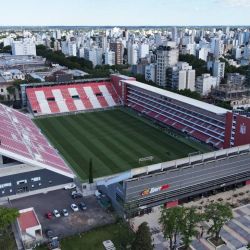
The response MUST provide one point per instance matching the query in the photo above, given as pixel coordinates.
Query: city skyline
(111, 13)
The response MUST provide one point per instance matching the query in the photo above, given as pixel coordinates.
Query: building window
(10, 190)
(32, 186)
(21, 182)
(5, 185)
(36, 179)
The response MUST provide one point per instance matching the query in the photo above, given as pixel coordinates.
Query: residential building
(94, 55)
(143, 50)
(205, 83)
(166, 57)
(235, 78)
(181, 76)
(109, 57)
(218, 70)
(132, 53)
(203, 53)
(25, 47)
(69, 48)
(150, 72)
(117, 47)
(217, 47)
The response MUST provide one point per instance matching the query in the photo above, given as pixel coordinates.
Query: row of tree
(59, 57)
(199, 65)
(184, 222)
(74, 62)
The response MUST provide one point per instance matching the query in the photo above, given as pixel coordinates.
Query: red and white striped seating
(71, 97)
(22, 140)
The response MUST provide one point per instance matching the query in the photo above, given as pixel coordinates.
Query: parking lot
(76, 222)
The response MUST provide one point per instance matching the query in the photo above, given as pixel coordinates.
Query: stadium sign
(243, 129)
(148, 191)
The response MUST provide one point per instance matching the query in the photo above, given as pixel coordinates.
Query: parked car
(75, 195)
(56, 213)
(74, 207)
(49, 233)
(48, 215)
(54, 243)
(70, 186)
(65, 212)
(82, 206)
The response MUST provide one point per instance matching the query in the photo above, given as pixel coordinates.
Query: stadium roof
(22, 141)
(199, 104)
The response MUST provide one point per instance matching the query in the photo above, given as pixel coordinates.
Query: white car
(70, 186)
(65, 212)
(56, 213)
(74, 207)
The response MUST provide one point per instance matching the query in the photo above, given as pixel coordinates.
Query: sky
(124, 12)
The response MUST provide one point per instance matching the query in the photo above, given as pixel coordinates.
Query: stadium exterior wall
(242, 130)
(39, 179)
(119, 86)
(154, 185)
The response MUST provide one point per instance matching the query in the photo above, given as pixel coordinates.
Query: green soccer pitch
(113, 139)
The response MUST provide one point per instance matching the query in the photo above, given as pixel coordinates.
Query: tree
(199, 65)
(6, 49)
(218, 214)
(12, 91)
(188, 225)
(189, 93)
(7, 216)
(143, 239)
(90, 172)
(171, 223)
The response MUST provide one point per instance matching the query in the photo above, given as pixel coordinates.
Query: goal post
(148, 158)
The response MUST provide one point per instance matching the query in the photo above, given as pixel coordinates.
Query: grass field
(119, 234)
(114, 139)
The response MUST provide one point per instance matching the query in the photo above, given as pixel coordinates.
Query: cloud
(234, 3)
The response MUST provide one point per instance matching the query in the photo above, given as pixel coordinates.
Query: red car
(49, 215)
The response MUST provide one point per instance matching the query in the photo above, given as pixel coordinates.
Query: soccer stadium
(148, 146)
(114, 139)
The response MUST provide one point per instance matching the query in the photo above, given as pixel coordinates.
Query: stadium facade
(170, 183)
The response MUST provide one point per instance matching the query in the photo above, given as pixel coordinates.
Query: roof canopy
(199, 104)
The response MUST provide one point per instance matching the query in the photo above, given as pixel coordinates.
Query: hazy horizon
(125, 13)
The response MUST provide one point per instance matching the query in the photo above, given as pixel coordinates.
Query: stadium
(138, 136)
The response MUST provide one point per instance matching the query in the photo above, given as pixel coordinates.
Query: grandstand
(198, 119)
(23, 141)
(75, 97)
(23, 148)
(207, 123)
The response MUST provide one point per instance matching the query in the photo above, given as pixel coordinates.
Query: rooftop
(199, 104)
(27, 219)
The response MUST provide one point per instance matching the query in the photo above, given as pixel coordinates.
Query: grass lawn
(92, 240)
(114, 139)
